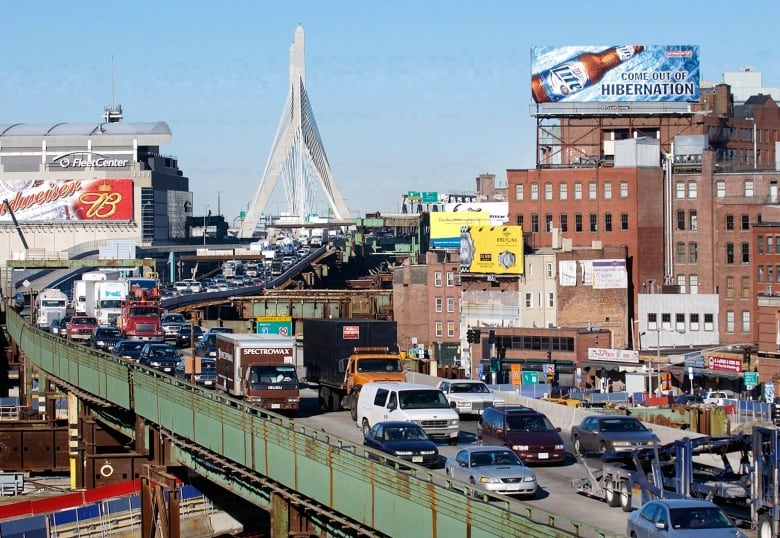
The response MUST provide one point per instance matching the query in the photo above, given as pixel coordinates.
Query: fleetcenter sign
(88, 159)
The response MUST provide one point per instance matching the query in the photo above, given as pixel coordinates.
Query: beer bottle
(578, 73)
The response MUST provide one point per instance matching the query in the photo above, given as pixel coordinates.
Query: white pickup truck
(719, 397)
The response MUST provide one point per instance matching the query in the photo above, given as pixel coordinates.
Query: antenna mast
(112, 114)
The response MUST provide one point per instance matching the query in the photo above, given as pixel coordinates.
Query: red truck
(259, 369)
(80, 328)
(140, 317)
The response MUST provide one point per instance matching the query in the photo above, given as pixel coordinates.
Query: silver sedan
(493, 468)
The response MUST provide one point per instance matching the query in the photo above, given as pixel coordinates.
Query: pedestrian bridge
(311, 482)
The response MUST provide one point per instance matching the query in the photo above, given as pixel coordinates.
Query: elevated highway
(312, 483)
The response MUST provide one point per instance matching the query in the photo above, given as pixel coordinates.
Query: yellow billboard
(492, 249)
(446, 226)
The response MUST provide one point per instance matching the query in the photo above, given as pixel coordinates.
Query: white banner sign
(614, 355)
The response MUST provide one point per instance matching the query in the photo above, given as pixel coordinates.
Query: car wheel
(625, 496)
(577, 446)
(366, 427)
(602, 447)
(765, 526)
(611, 496)
(353, 407)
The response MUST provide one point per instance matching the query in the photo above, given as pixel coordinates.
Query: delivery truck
(260, 369)
(341, 355)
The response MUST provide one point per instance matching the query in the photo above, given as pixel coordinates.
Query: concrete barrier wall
(563, 416)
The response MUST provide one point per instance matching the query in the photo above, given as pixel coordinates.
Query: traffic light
(746, 355)
(492, 337)
(470, 336)
(477, 336)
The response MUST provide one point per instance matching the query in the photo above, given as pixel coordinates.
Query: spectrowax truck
(260, 369)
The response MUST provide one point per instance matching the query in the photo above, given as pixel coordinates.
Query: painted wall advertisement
(492, 249)
(67, 200)
(602, 73)
(447, 225)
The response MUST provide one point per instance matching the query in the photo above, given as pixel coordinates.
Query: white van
(425, 405)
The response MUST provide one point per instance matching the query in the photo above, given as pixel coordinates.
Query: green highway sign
(530, 378)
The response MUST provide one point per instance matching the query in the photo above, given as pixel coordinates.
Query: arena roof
(84, 129)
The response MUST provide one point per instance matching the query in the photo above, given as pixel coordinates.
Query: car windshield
(108, 333)
(469, 387)
(422, 399)
(621, 425)
(533, 423)
(279, 373)
(130, 345)
(404, 433)
(163, 352)
(485, 458)
(379, 365)
(699, 518)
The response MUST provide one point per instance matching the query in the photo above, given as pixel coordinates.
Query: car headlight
(622, 443)
(454, 422)
(403, 452)
(488, 480)
(293, 399)
(155, 364)
(463, 404)
(529, 479)
(520, 447)
(558, 447)
(428, 452)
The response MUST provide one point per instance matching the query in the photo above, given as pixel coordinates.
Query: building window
(693, 253)
(729, 222)
(438, 304)
(749, 188)
(624, 189)
(770, 277)
(729, 253)
(592, 190)
(745, 252)
(550, 273)
(550, 299)
(519, 220)
(720, 189)
(608, 191)
(745, 222)
(439, 327)
(437, 279)
(577, 190)
(594, 222)
(777, 273)
(519, 192)
(760, 244)
(624, 221)
(534, 191)
(746, 287)
(691, 189)
(681, 283)
(729, 287)
(679, 322)
(530, 269)
(760, 273)
(450, 329)
(548, 222)
(564, 223)
(548, 188)
(534, 223)
(680, 252)
(680, 220)
(607, 222)
(770, 244)
(693, 221)
(693, 280)
(694, 322)
(745, 321)
(709, 324)
(652, 321)
(666, 321)
(563, 190)
(450, 304)
(729, 321)
(679, 190)
(577, 222)
(450, 279)
(529, 299)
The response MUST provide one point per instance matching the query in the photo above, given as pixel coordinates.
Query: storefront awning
(608, 366)
(703, 372)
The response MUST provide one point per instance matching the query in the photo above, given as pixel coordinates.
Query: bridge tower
(297, 155)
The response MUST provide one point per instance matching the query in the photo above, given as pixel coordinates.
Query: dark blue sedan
(405, 440)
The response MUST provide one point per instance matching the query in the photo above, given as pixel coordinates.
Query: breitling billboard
(495, 250)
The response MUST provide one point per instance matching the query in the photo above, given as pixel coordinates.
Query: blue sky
(408, 95)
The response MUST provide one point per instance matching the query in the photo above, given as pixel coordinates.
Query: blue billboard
(621, 73)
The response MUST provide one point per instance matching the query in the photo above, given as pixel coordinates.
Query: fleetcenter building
(71, 188)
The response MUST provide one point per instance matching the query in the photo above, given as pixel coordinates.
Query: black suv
(163, 357)
(105, 338)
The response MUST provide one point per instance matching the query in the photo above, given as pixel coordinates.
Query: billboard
(609, 274)
(67, 200)
(446, 226)
(492, 249)
(625, 73)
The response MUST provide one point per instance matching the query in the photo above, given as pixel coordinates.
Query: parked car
(105, 337)
(615, 433)
(405, 440)
(719, 397)
(670, 518)
(207, 347)
(529, 433)
(80, 328)
(187, 333)
(207, 376)
(688, 399)
(128, 349)
(171, 323)
(493, 468)
(163, 357)
(471, 396)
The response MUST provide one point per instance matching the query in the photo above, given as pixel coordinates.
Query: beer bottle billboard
(582, 71)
